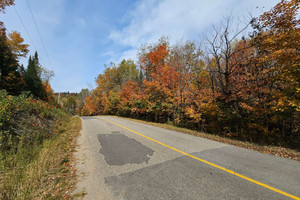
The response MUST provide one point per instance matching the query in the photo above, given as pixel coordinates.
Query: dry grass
(268, 149)
(50, 174)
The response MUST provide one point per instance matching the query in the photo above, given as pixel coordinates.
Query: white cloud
(108, 53)
(177, 19)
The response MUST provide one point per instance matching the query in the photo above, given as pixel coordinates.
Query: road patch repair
(119, 149)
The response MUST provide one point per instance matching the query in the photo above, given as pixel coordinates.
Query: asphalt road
(122, 159)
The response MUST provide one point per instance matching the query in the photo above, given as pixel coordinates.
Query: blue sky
(82, 36)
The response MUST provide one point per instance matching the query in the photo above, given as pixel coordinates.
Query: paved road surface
(117, 162)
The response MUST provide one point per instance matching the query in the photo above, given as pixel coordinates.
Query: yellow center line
(209, 163)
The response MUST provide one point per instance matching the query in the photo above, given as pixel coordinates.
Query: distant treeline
(71, 101)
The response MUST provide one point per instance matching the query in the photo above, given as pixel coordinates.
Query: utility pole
(58, 97)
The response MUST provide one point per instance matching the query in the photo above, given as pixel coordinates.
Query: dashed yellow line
(209, 163)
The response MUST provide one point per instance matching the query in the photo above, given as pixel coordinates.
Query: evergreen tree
(33, 76)
(10, 77)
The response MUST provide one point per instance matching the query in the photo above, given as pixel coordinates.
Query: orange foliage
(131, 99)
(48, 92)
(279, 40)
(90, 107)
(15, 42)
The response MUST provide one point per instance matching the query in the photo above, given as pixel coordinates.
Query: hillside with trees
(37, 136)
(243, 86)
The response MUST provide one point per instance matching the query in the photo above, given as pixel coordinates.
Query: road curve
(123, 159)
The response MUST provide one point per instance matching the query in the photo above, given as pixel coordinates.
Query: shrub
(25, 120)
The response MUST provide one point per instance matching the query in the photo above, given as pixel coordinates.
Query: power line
(26, 32)
(29, 34)
(24, 27)
(39, 34)
(41, 37)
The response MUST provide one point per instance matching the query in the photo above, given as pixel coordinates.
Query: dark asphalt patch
(119, 149)
(184, 178)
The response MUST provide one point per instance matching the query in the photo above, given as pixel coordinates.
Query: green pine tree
(33, 76)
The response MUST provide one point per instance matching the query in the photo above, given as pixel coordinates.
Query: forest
(241, 83)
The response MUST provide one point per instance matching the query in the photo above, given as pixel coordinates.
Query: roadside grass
(266, 149)
(43, 171)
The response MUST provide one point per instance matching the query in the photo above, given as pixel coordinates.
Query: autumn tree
(187, 60)
(11, 48)
(132, 100)
(109, 84)
(15, 42)
(48, 93)
(263, 85)
(276, 39)
(278, 45)
(91, 106)
(160, 85)
(10, 75)
(220, 48)
(223, 58)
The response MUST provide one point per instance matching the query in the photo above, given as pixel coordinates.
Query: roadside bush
(25, 120)
(36, 140)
